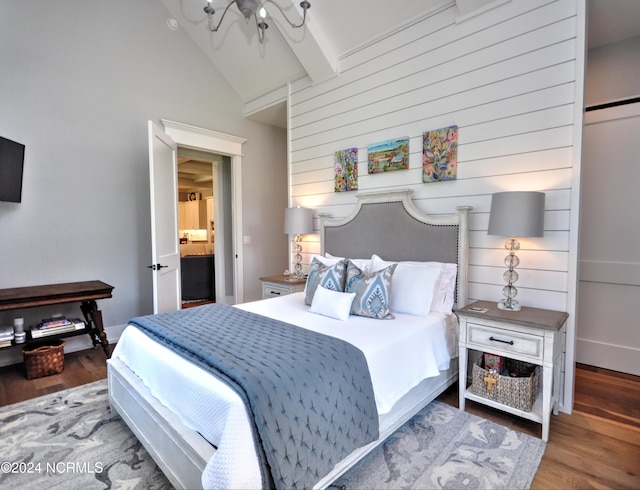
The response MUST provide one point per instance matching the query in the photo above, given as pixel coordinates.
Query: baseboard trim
(619, 358)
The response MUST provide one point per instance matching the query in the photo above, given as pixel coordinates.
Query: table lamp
(298, 221)
(515, 214)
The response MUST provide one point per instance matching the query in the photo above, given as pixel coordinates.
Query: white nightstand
(273, 286)
(532, 335)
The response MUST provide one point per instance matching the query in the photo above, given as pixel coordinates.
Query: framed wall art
(346, 170)
(389, 155)
(440, 155)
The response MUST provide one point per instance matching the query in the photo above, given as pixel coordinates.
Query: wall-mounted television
(11, 167)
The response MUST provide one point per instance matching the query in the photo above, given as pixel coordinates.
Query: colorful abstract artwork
(440, 155)
(389, 155)
(346, 170)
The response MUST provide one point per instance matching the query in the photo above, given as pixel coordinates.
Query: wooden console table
(86, 292)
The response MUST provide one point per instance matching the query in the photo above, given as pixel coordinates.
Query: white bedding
(400, 353)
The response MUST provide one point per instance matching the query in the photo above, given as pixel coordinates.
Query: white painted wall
(613, 71)
(511, 79)
(79, 82)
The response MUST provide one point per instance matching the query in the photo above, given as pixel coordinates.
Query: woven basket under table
(519, 392)
(44, 360)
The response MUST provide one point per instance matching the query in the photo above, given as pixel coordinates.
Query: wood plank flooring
(79, 368)
(597, 446)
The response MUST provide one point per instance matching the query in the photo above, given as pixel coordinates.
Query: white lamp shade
(517, 214)
(298, 221)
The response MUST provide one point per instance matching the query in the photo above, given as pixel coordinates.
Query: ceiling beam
(199, 179)
(311, 47)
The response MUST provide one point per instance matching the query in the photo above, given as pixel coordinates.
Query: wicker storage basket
(44, 360)
(518, 392)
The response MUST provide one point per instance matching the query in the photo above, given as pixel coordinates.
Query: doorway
(204, 204)
(227, 209)
(196, 225)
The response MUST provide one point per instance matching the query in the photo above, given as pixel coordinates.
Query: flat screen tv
(11, 166)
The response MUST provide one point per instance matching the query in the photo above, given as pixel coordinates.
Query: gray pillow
(330, 277)
(373, 291)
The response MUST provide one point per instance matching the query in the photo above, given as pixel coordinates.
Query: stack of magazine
(55, 326)
(6, 336)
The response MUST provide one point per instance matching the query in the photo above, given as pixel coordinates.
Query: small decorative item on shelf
(18, 325)
(53, 326)
(18, 331)
(6, 336)
(492, 361)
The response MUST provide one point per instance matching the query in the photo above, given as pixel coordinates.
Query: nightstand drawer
(273, 286)
(506, 340)
(271, 290)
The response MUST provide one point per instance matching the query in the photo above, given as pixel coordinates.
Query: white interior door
(608, 306)
(165, 248)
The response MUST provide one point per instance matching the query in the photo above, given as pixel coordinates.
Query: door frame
(224, 144)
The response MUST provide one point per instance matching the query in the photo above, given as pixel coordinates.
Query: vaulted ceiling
(334, 29)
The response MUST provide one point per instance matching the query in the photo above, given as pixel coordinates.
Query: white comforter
(400, 353)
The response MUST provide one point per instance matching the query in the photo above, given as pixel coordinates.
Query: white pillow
(362, 264)
(333, 304)
(445, 292)
(327, 260)
(413, 285)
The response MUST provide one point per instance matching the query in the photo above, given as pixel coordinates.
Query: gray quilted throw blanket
(309, 395)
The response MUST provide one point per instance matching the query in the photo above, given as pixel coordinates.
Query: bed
(196, 428)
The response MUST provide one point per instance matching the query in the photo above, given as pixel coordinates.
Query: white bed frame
(182, 453)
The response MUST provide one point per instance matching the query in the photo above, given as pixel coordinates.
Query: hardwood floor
(597, 446)
(193, 304)
(79, 368)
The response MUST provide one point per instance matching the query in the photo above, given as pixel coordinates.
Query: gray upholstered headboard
(388, 224)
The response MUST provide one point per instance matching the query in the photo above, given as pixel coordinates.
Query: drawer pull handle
(510, 342)
(276, 293)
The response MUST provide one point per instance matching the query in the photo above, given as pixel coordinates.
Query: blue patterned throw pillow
(329, 277)
(373, 291)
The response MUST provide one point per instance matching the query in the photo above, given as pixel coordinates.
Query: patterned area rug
(69, 440)
(442, 447)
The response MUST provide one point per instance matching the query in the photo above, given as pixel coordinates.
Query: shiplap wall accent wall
(507, 78)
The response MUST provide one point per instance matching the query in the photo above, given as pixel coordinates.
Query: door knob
(156, 267)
